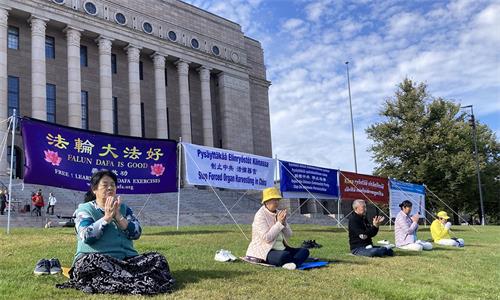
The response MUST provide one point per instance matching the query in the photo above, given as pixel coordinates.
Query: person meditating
(440, 231)
(105, 260)
(270, 232)
(405, 229)
(361, 232)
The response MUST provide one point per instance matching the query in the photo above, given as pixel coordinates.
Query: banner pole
(179, 166)
(11, 167)
(339, 199)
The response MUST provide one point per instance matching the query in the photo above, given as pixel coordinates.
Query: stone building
(151, 68)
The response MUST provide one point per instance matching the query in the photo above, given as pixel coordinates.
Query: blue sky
(453, 46)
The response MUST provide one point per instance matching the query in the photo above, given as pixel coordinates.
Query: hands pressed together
(112, 209)
(281, 217)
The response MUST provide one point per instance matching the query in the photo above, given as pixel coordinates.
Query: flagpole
(13, 120)
(179, 166)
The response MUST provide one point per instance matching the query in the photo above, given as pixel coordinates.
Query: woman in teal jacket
(106, 260)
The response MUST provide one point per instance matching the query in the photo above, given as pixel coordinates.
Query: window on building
(166, 81)
(141, 71)
(83, 56)
(13, 97)
(85, 109)
(113, 63)
(51, 103)
(115, 115)
(50, 47)
(143, 129)
(13, 38)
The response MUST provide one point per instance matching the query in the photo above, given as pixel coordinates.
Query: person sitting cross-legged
(270, 232)
(361, 232)
(405, 230)
(440, 231)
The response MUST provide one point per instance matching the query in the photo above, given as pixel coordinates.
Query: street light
(473, 124)
(352, 122)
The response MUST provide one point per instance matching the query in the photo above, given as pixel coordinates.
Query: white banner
(227, 169)
(401, 191)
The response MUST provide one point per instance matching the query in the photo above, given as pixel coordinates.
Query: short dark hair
(405, 203)
(97, 176)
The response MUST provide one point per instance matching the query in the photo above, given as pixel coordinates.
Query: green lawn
(472, 272)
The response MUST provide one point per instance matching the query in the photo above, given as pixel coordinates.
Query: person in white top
(52, 203)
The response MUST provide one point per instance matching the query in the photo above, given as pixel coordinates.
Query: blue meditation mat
(312, 265)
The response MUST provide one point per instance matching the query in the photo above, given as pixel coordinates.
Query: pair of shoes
(224, 255)
(311, 244)
(46, 267)
(289, 266)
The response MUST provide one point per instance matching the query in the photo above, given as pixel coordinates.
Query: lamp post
(473, 124)
(352, 122)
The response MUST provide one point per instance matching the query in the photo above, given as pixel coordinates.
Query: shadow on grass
(188, 276)
(188, 232)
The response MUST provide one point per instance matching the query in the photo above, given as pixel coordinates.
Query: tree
(429, 140)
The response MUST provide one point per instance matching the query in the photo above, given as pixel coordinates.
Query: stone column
(4, 14)
(74, 77)
(206, 104)
(160, 96)
(185, 109)
(105, 84)
(134, 90)
(235, 112)
(38, 69)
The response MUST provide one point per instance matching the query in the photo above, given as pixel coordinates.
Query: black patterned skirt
(145, 274)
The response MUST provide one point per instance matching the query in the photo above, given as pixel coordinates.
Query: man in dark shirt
(361, 232)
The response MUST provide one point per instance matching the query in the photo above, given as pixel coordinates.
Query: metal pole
(474, 132)
(179, 165)
(352, 121)
(11, 167)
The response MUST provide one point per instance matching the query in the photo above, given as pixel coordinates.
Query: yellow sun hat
(270, 193)
(443, 214)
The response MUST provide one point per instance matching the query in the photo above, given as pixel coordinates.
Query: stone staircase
(198, 206)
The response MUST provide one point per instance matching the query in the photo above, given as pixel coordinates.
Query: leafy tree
(429, 140)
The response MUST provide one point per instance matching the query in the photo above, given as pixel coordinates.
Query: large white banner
(401, 191)
(227, 169)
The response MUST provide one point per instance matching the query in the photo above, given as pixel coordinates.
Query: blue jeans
(280, 257)
(372, 252)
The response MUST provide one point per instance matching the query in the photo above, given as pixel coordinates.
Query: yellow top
(438, 231)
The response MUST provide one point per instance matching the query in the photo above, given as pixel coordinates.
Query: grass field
(472, 272)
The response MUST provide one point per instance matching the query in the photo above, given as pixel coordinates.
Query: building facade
(150, 68)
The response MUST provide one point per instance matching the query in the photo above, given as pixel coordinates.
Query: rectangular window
(113, 63)
(83, 56)
(51, 103)
(50, 47)
(85, 109)
(13, 38)
(141, 71)
(115, 115)
(13, 98)
(143, 129)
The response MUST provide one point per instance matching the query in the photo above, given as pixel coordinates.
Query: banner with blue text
(400, 191)
(227, 169)
(299, 180)
(67, 157)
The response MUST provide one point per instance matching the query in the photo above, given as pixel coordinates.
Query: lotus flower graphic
(157, 169)
(52, 157)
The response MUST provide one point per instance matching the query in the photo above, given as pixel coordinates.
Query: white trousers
(417, 246)
(450, 242)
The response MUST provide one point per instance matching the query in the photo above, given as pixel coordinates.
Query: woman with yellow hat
(269, 233)
(440, 231)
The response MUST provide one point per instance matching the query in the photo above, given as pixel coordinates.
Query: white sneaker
(289, 266)
(221, 255)
(383, 242)
(230, 255)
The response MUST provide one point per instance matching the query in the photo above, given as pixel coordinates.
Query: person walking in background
(52, 203)
(3, 200)
(38, 203)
